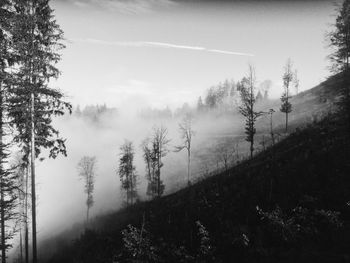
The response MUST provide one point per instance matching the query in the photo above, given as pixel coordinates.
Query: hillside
(289, 204)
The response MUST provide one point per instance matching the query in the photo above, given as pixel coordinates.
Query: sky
(159, 53)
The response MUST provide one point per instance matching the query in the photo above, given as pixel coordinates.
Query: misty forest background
(238, 177)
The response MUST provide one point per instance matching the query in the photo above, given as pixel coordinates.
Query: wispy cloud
(123, 6)
(160, 45)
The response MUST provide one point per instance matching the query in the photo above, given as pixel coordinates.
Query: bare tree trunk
(271, 131)
(32, 166)
(131, 188)
(251, 148)
(158, 175)
(189, 167)
(20, 245)
(2, 199)
(87, 215)
(3, 234)
(26, 238)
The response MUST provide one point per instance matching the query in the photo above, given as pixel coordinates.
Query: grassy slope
(310, 170)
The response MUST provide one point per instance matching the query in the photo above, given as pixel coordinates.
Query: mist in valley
(238, 70)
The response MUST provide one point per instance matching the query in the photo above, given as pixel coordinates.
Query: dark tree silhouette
(150, 167)
(186, 133)
(87, 171)
(36, 42)
(247, 88)
(339, 40)
(154, 150)
(127, 172)
(286, 106)
(7, 185)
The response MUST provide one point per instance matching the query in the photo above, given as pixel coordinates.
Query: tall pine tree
(36, 43)
(247, 109)
(339, 40)
(8, 192)
(286, 106)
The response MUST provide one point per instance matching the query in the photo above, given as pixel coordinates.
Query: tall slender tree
(160, 150)
(150, 158)
(186, 133)
(127, 172)
(339, 40)
(87, 171)
(247, 91)
(8, 188)
(19, 169)
(286, 106)
(36, 43)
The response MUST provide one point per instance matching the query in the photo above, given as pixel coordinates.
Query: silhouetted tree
(160, 150)
(186, 133)
(127, 172)
(35, 44)
(149, 159)
(7, 195)
(87, 171)
(339, 40)
(247, 88)
(19, 168)
(271, 112)
(286, 106)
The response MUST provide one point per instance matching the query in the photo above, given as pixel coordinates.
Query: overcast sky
(163, 52)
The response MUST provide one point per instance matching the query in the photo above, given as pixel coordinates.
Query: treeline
(94, 112)
(226, 96)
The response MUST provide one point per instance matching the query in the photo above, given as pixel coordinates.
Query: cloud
(160, 45)
(123, 6)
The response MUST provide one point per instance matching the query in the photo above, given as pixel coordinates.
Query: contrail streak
(160, 45)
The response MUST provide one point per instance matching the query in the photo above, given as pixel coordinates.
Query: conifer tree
(8, 187)
(33, 103)
(127, 172)
(247, 88)
(286, 106)
(339, 40)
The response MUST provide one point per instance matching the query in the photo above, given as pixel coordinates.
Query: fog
(61, 197)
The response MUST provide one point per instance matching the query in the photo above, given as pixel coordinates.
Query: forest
(239, 176)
